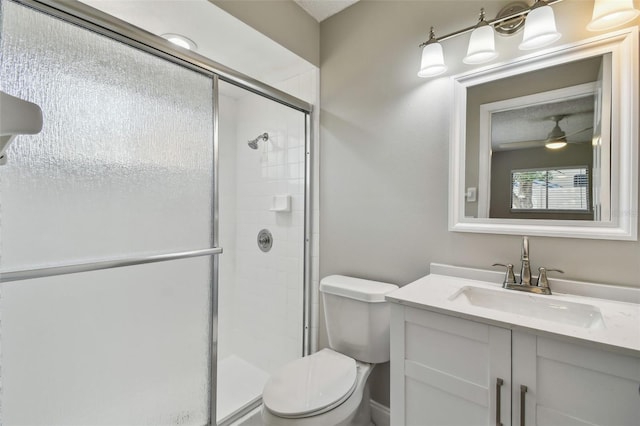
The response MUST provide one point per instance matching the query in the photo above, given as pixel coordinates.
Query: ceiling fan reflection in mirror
(556, 138)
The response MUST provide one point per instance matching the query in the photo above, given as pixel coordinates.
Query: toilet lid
(311, 384)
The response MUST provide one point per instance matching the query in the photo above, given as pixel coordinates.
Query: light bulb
(555, 145)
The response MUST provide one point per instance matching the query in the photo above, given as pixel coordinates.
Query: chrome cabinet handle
(523, 391)
(499, 383)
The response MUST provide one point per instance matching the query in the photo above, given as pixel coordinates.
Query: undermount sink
(546, 308)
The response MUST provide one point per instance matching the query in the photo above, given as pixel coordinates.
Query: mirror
(547, 144)
(536, 150)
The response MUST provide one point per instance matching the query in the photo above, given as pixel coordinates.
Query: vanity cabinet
(447, 370)
(572, 384)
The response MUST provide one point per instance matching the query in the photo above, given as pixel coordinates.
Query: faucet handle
(509, 276)
(542, 276)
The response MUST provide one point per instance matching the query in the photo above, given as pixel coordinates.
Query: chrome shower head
(253, 144)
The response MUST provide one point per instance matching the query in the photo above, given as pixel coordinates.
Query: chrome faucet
(526, 282)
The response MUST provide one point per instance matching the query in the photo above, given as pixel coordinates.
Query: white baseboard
(380, 414)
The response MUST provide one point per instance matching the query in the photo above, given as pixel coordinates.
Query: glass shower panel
(261, 293)
(125, 346)
(123, 164)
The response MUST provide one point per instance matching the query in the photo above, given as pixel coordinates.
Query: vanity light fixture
(540, 30)
(608, 14)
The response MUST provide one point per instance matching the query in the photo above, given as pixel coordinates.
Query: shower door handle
(29, 274)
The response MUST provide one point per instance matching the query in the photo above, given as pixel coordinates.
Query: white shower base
(239, 384)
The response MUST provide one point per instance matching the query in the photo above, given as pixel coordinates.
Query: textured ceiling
(515, 128)
(322, 9)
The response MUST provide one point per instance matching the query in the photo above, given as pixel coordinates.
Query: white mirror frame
(623, 46)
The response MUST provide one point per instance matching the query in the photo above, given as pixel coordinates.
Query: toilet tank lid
(356, 288)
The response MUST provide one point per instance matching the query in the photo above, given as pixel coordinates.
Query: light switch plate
(471, 194)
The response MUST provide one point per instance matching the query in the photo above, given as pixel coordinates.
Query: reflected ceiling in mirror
(535, 126)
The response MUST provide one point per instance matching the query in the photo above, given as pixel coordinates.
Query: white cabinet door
(445, 370)
(570, 384)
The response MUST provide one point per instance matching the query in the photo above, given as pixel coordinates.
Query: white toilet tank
(357, 317)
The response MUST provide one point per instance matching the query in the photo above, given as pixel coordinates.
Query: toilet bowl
(319, 390)
(331, 387)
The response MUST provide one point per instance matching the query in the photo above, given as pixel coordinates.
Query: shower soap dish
(281, 203)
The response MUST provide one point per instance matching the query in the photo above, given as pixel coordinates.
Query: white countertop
(620, 333)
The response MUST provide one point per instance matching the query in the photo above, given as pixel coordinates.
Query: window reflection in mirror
(553, 123)
(558, 191)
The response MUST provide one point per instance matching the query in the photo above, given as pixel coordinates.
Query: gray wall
(283, 21)
(384, 153)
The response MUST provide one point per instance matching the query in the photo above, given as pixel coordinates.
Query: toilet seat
(311, 385)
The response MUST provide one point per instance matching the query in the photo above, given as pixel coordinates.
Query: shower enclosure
(116, 304)
(262, 229)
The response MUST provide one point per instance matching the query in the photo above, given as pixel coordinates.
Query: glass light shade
(555, 145)
(482, 46)
(539, 29)
(609, 14)
(432, 61)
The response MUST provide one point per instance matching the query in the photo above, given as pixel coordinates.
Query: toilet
(331, 386)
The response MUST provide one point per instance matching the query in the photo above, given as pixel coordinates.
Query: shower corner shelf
(281, 203)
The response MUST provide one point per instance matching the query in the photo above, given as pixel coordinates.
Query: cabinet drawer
(444, 344)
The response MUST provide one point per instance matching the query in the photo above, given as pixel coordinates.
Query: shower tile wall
(269, 286)
(261, 294)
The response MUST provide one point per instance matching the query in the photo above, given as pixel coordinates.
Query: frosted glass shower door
(123, 169)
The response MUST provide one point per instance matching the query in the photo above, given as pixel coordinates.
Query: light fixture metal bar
(493, 22)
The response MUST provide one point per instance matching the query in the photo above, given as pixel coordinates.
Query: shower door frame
(87, 17)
